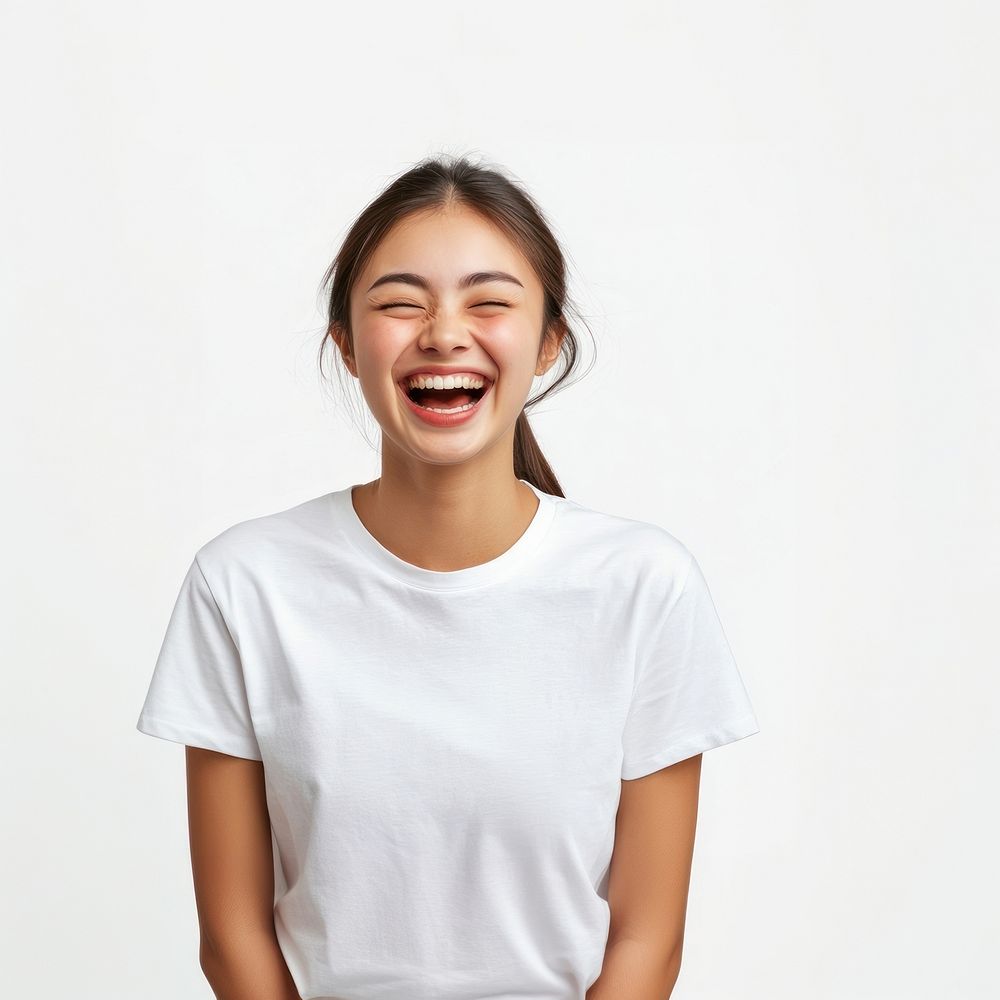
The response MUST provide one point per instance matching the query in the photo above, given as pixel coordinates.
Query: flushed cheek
(514, 385)
(378, 390)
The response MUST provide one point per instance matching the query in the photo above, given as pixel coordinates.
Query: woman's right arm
(233, 868)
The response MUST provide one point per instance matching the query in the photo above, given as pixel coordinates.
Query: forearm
(636, 970)
(248, 968)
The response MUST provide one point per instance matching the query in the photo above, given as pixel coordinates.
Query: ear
(551, 345)
(339, 336)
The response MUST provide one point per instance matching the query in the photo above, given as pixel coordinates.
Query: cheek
(517, 357)
(376, 351)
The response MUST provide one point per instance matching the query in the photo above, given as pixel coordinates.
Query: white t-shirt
(443, 751)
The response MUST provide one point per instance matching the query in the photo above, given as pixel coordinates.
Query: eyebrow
(476, 278)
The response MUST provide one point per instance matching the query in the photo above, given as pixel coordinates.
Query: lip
(443, 419)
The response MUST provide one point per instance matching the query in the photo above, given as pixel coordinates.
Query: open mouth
(456, 400)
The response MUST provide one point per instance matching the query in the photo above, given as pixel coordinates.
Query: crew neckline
(459, 579)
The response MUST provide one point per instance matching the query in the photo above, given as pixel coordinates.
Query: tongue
(443, 399)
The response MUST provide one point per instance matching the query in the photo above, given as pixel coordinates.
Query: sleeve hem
(229, 743)
(738, 729)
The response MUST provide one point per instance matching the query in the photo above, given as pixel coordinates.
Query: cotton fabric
(443, 752)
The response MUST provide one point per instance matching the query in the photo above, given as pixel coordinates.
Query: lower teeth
(454, 409)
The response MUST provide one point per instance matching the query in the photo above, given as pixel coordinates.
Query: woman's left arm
(648, 884)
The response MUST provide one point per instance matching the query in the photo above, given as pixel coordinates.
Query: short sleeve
(689, 696)
(197, 695)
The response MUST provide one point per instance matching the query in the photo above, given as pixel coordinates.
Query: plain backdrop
(781, 223)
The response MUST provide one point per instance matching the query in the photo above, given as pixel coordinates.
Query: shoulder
(266, 541)
(646, 551)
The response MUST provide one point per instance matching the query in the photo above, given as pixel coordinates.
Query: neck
(445, 518)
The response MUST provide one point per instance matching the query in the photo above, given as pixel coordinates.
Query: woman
(445, 728)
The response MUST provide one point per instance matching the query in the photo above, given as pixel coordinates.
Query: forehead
(442, 246)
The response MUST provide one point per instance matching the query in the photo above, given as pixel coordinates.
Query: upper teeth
(445, 382)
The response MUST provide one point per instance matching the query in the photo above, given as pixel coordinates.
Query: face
(424, 315)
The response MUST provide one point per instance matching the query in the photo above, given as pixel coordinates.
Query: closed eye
(410, 305)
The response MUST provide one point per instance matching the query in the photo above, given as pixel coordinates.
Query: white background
(781, 223)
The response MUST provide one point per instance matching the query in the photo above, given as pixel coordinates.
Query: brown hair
(436, 183)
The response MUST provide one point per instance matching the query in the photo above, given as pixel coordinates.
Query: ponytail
(529, 462)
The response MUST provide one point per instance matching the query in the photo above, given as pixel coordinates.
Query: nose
(443, 333)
